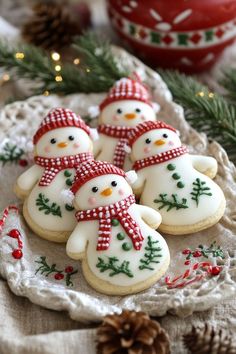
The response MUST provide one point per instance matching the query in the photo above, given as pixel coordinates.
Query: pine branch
(206, 112)
(97, 73)
(99, 59)
(229, 83)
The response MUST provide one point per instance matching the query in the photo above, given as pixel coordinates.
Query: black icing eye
(138, 110)
(148, 141)
(114, 183)
(53, 141)
(94, 189)
(165, 136)
(119, 110)
(71, 138)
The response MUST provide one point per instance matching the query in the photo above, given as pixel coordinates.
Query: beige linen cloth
(26, 328)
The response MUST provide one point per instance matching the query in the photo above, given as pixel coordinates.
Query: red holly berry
(187, 262)
(59, 276)
(17, 254)
(69, 269)
(23, 162)
(197, 254)
(215, 270)
(14, 233)
(186, 251)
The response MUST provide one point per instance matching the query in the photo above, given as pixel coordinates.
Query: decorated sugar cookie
(62, 144)
(173, 182)
(127, 104)
(115, 238)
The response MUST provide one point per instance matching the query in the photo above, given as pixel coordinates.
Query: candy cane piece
(174, 283)
(5, 215)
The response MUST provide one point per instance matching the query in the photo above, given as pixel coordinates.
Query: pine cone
(51, 26)
(131, 333)
(207, 340)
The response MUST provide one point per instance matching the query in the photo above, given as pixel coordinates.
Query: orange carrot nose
(130, 115)
(62, 145)
(159, 142)
(106, 192)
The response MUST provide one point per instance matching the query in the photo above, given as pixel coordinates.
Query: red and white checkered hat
(92, 169)
(60, 118)
(127, 89)
(143, 128)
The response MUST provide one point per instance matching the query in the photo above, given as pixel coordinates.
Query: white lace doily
(18, 121)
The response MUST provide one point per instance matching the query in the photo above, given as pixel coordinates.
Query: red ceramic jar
(184, 34)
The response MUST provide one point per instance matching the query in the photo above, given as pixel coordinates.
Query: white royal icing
(82, 243)
(158, 179)
(104, 148)
(29, 181)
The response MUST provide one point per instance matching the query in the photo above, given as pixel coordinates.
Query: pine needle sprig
(99, 58)
(228, 81)
(97, 72)
(207, 112)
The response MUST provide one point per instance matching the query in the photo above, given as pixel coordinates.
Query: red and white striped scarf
(120, 133)
(119, 211)
(160, 158)
(54, 165)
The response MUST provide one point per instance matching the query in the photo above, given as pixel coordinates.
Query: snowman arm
(27, 180)
(150, 216)
(76, 244)
(138, 185)
(97, 147)
(205, 164)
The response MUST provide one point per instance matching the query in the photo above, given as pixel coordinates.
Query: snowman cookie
(62, 143)
(127, 104)
(115, 238)
(173, 182)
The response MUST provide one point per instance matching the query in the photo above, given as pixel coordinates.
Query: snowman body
(137, 272)
(61, 218)
(126, 105)
(58, 152)
(120, 268)
(161, 185)
(107, 151)
(176, 183)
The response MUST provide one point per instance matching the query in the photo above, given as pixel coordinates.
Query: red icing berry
(14, 233)
(215, 270)
(59, 276)
(17, 254)
(69, 269)
(197, 254)
(23, 162)
(187, 262)
(186, 251)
